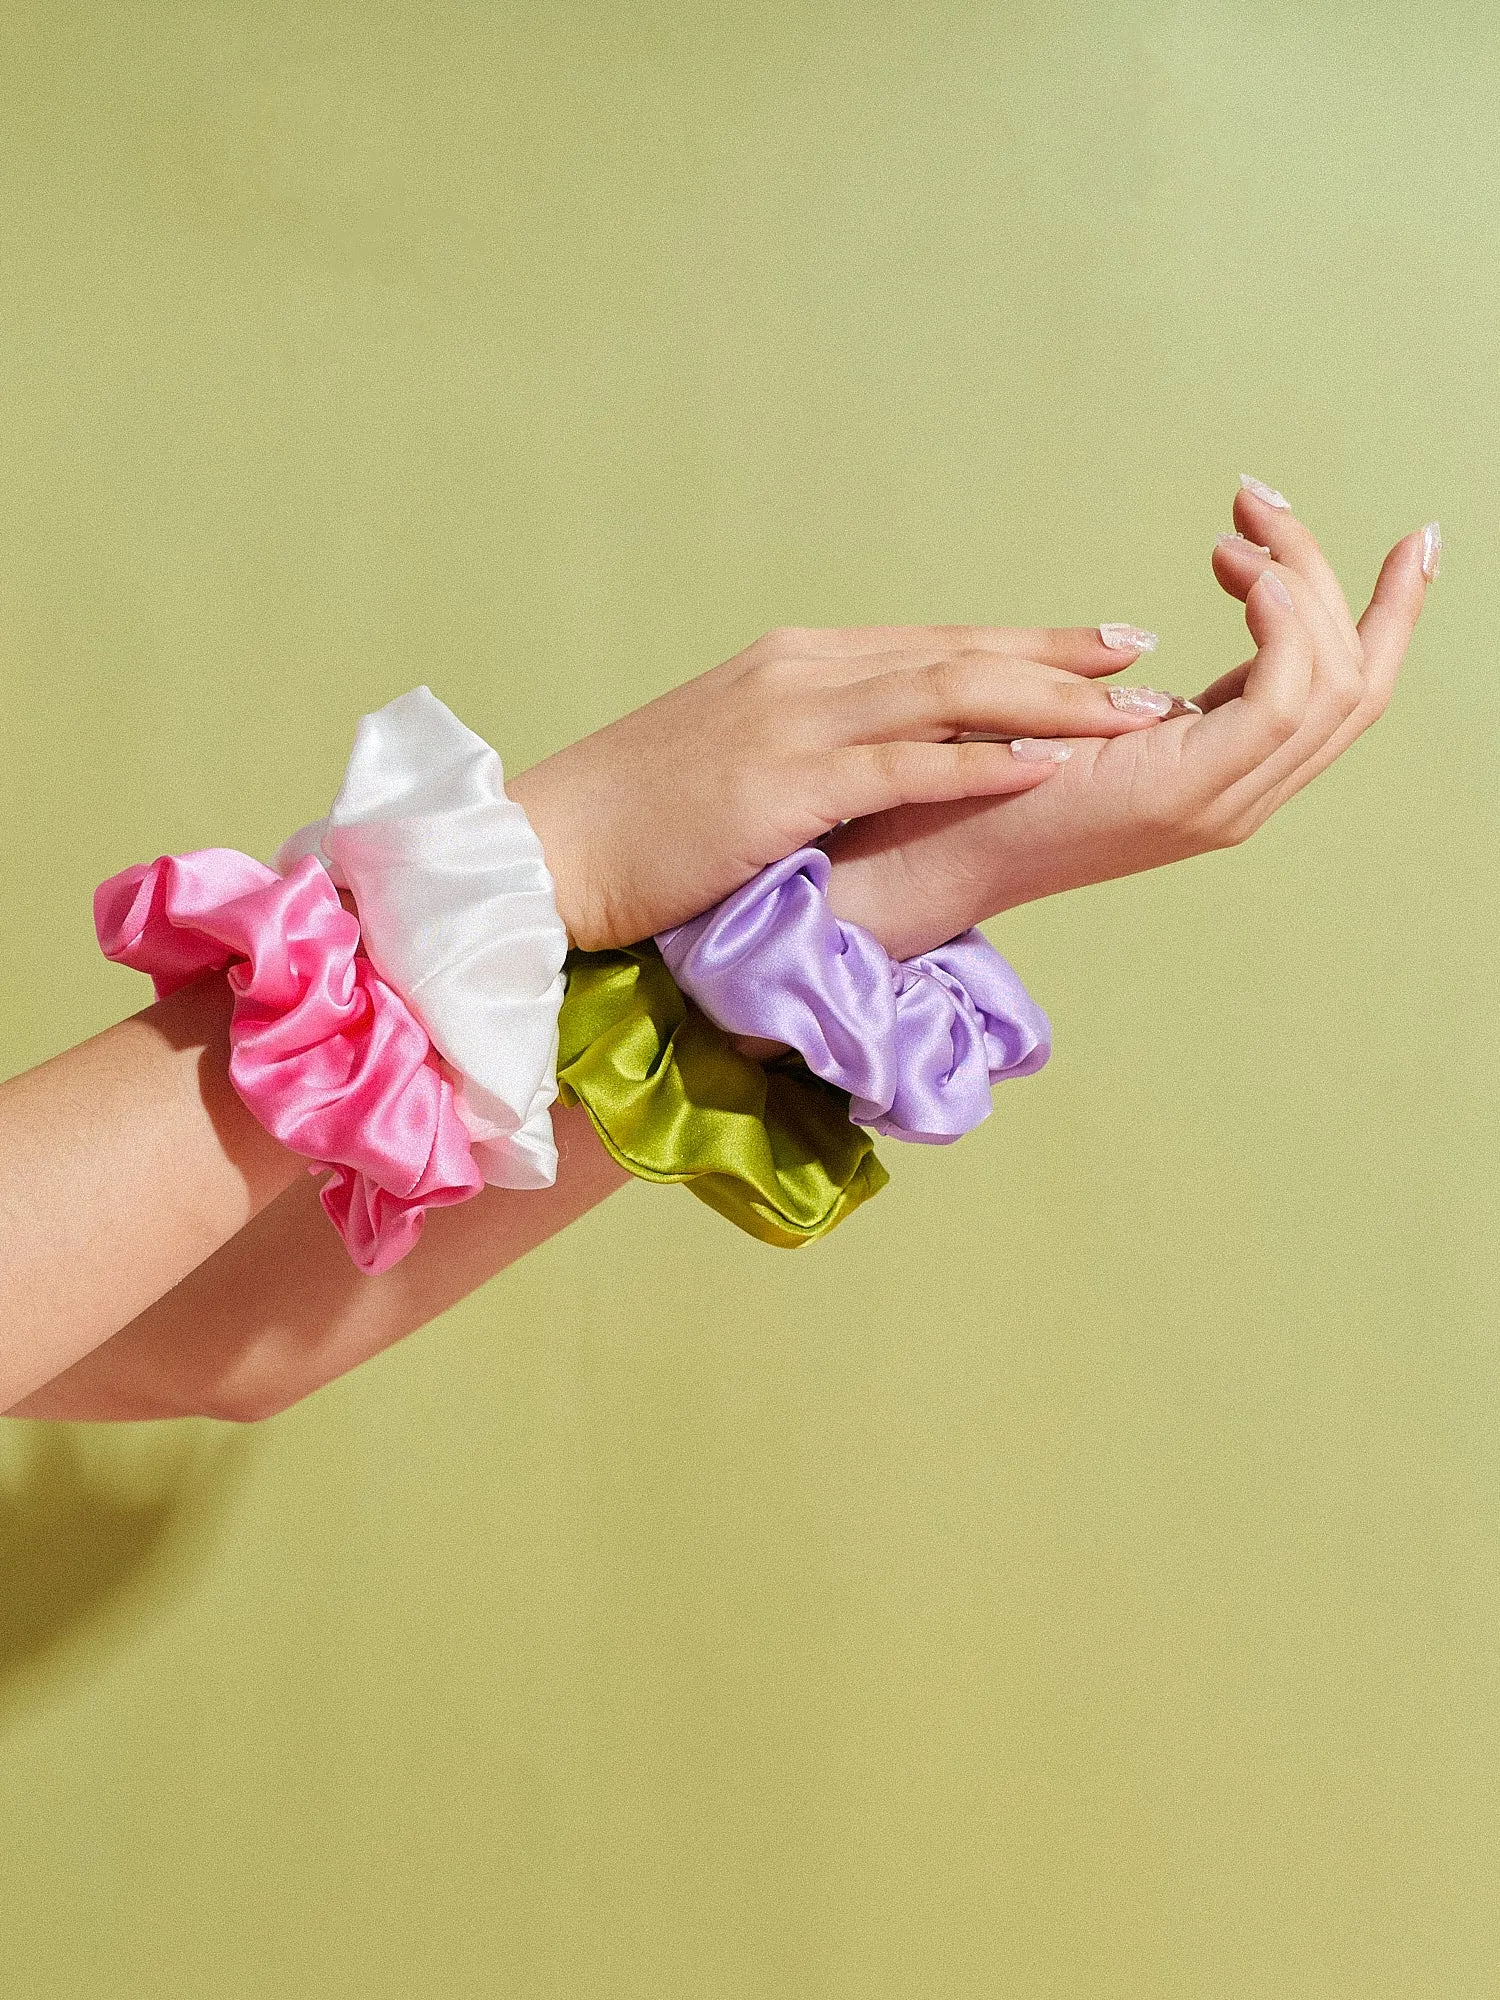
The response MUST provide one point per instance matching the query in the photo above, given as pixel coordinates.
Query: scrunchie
(917, 1043)
(322, 1051)
(672, 1099)
(458, 915)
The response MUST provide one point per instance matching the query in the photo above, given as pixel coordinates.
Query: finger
(1240, 735)
(1228, 687)
(1276, 525)
(1385, 631)
(1238, 562)
(873, 777)
(1006, 698)
(1079, 649)
(1396, 604)
(1338, 683)
(1349, 690)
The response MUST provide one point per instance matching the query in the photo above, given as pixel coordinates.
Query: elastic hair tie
(324, 1054)
(458, 915)
(672, 1099)
(916, 1042)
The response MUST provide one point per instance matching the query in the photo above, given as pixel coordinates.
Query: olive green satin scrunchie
(673, 1099)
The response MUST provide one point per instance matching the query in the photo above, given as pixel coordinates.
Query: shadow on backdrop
(98, 1531)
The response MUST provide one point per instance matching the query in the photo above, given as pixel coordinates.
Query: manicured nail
(1128, 639)
(1263, 492)
(1041, 749)
(1140, 701)
(1432, 550)
(1241, 542)
(1181, 705)
(1275, 589)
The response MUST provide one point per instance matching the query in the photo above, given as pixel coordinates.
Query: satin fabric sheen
(672, 1099)
(917, 1043)
(458, 915)
(322, 1051)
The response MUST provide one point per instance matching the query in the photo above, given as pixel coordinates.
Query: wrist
(544, 795)
(906, 883)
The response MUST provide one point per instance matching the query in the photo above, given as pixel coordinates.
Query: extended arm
(123, 1163)
(280, 1310)
(127, 1162)
(275, 1314)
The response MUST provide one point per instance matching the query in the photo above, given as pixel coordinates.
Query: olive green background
(1079, 1576)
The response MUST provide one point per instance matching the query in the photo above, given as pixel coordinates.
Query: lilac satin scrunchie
(917, 1042)
(328, 1057)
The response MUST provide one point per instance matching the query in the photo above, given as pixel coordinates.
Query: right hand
(665, 812)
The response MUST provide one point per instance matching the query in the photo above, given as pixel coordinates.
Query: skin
(642, 823)
(148, 1161)
(279, 1311)
(668, 810)
(1188, 786)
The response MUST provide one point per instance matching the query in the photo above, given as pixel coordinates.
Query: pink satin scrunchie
(330, 1060)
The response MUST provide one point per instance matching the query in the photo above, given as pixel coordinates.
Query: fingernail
(1040, 750)
(1263, 492)
(1181, 705)
(1242, 542)
(1432, 550)
(1275, 589)
(1140, 701)
(1128, 639)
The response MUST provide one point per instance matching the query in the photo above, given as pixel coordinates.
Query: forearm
(123, 1164)
(280, 1310)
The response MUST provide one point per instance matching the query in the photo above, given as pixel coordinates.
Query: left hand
(1316, 681)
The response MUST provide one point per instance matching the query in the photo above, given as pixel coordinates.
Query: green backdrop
(1079, 1576)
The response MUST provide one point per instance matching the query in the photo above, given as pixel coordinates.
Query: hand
(662, 814)
(1196, 783)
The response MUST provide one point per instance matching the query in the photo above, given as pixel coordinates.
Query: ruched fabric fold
(672, 1099)
(917, 1043)
(458, 915)
(322, 1051)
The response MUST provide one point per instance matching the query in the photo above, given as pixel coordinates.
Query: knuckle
(1352, 692)
(947, 683)
(1349, 704)
(1346, 684)
(1377, 701)
(1283, 715)
(765, 686)
(782, 642)
(889, 762)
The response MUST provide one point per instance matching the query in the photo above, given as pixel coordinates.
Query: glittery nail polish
(1128, 639)
(1140, 701)
(1040, 750)
(1432, 550)
(1263, 492)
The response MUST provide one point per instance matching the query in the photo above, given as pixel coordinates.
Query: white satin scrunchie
(458, 914)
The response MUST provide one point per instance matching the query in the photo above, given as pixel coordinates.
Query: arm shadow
(99, 1533)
